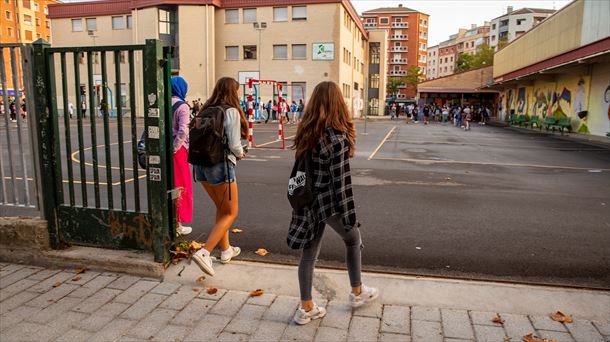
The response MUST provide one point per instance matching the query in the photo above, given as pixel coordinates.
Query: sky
(447, 16)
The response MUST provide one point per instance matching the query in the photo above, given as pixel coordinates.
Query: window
(36, 7)
(27, 4)
(129, 22)
(299, 91)
(28, 35)
(493, 26)
(46, 10)
(384, 20)
(249, 15)
(249, 51)
(280, 13)
(374, 106)
(493, 38)
(280, 51)
(27, 19)
(47, 23)
(37, 21)
(9, 31)
(231, 16)
(91, 24)
(118, 23)
(374, 81)
(299, 51)
(166, 21)
(519, 21)
(8, 15)
(77, 25)
(232, 53)
(299, 12)
(374, 53)
(361, 67)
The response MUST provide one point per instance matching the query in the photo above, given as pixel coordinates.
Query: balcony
(370, 25)
(399, 37)
(397, 72)
(399, 49)
(400, 25)
(398, 61)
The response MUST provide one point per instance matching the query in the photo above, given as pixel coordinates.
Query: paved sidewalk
(39, 304)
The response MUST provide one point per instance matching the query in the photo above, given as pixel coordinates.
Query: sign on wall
(323, 51)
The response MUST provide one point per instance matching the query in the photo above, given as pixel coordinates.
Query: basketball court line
(381, 143)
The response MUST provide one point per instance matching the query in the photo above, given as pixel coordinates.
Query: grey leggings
(352, 256)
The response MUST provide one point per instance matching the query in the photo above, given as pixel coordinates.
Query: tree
(502, 43)
(484, 56)
(413, 76)
(464, 62)
(393, 84)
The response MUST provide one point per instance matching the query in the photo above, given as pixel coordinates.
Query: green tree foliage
(464, 62)
(413, 76)
(484, 56)
(502, 43)
(392, 85)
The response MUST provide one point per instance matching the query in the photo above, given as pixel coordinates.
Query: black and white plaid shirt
(332, 190)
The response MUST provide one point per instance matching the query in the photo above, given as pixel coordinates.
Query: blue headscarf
(179, 87)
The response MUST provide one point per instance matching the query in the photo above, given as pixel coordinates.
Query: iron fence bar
(134, 136)
(105, 114)
(6, 122)
(92, 117)
(119, 118)
(79, 123)
(108, 48)
(8, 135)
(64, 90)
(19, 134)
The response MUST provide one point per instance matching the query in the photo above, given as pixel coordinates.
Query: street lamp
(259, 26)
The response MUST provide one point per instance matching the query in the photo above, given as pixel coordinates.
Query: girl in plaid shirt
(326, 134)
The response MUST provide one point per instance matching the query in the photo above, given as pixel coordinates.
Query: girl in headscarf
(182, 171)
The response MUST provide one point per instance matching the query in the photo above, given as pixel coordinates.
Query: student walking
(293, 109)
(220, 181)
(182, 171)
(327, 136)
(83, 107)
(268, 109)
(300, 110)
(70, 109)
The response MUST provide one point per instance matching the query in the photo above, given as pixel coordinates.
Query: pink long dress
(182, 170)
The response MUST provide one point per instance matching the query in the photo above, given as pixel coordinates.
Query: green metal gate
(93, 189)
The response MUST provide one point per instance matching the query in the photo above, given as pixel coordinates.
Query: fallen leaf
(262, 252)
(77, 278)
(561, 317)
(195, 246)
(257, 293)
(236, 230)
(200, 280)
(498, 319)
(531, 338)
(80, 270)
(196, 289)
(57, 284)
(212, 290)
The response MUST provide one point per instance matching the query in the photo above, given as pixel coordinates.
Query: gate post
(46, 135)
(156, 171)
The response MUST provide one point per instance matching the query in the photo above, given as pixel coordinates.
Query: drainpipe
(207, 52)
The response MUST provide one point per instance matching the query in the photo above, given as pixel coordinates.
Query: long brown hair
(326, 108)
(226, 93)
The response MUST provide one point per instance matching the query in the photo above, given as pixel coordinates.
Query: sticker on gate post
(153, 112)
(154, 174)
(154, 159)
(153, 132)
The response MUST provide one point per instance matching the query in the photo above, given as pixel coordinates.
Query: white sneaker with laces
(367, 294)
(204, 262)
(183, 230)
(232, 252)
(303, 317)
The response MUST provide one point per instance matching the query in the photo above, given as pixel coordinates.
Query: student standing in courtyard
(219, 181)
(327, 138)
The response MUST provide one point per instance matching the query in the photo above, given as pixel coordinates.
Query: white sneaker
(367, 294)
(183, 230)
(204, 262)
(232, 252)
(303, 317)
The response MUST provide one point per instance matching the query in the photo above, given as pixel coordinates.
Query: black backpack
(300, 184)
(207, 140)
(141, 147)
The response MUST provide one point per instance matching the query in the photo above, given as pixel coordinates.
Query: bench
(518, 120)
(535, 120)
(564, 123)
(525, 121)
(549, 122)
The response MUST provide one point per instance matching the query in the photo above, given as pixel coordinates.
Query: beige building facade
(299, 45)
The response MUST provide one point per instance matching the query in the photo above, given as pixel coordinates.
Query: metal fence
(18, 144)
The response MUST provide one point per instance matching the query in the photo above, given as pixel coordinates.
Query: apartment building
(433, 60)
(23, 21)
(513, 24)
(447, 56)
(473, 38)
(408, 40)
(298, 45)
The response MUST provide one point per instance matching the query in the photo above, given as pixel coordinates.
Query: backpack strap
(177, 105)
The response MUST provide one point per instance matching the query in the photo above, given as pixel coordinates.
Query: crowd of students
(13, 108)
(460, 116)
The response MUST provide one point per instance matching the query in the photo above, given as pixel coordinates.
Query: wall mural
(521, 101)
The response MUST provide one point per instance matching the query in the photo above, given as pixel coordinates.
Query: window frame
(231, 10)
(244, 47)
(304, 47)
(275, 57)
(129, 22)
(244, 15)
(236, 47)
(80, 21)
(87, 20)
(298, 18)
(122, 18)
(275, 19)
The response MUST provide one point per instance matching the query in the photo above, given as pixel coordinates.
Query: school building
(560, 70)
(298, 43)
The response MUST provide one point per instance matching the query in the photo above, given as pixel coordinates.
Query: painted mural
(521, 102)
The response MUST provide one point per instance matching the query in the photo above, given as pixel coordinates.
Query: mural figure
(521, 101)
(509, 102)
(541, 102)
(579, 106)
(607, 99)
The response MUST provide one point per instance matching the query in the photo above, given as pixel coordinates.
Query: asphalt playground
(492, 203)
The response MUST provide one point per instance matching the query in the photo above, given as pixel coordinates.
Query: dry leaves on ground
(77, 278)
(262, 252)
(531, 338)
(80, 270)
(212, 290)
(561, 317)
(57, 284)
(200, 280)
(257, 293)
(195, 246)
(498, 319)
(236, 230)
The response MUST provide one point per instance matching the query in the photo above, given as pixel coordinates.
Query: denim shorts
(215, 174)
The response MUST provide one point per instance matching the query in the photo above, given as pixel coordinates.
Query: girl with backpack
(219, 181)
(181, 113)
(327, 136)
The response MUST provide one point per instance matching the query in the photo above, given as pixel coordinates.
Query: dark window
(249, 51)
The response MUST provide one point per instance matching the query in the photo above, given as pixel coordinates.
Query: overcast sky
(447, 16)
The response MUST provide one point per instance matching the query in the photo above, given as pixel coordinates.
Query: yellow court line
(433, 161)
(274, 141)
(76, 160)
(381, 143)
